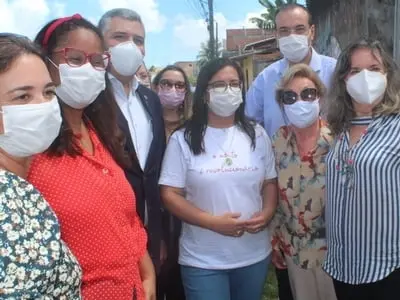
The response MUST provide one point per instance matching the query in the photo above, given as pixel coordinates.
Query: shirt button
(105, 171)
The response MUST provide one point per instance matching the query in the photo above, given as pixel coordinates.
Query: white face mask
(126, 58)
(294, 47)
(225, 104)
(302, 114)
(31, 128)
(80, 86)
(366, 87)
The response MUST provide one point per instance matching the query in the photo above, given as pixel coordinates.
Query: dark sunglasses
(290, 97)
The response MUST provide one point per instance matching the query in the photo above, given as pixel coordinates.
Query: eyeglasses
(290, 97)
(165, 84)
(77, 58)
(222, 86)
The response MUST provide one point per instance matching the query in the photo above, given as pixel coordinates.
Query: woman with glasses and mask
(81, 174)
(34, 261)
(173, 88)
(299, 240)
(363, 175)
(219, 178)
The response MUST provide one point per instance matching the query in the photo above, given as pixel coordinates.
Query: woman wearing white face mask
(224, 166)
(35, 262)
(81, 174)
(363, 175)
(299, 240)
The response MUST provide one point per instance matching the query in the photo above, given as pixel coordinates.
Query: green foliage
(192, 80)
(267, 19)
(152, 69)
(204, 55)
(271, 286)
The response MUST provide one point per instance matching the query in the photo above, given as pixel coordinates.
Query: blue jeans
(245, 283)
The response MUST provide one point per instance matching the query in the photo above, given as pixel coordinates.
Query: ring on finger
(239, 232)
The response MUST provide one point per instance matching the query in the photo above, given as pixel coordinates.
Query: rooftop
(236, 39)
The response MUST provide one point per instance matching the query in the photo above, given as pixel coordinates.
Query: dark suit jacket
(145, 182)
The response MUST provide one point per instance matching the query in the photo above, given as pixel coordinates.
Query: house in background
(153, 71)
(190, 67)
(253, 49)
(237, 39)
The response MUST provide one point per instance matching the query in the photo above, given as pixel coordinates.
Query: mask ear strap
(53, 63)
(285, 117)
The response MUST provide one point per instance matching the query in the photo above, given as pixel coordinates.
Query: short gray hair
(123, 13)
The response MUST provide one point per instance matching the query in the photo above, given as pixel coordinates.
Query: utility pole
(216, 40)
(211, 27)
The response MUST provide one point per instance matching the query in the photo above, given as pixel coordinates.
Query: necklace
(361, 121)
(229, 155)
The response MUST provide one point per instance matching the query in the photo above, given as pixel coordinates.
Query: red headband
(54, 26)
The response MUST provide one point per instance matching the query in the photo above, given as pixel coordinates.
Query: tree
(152, 69)
(205, 54)
(192, 80)
(267, 19)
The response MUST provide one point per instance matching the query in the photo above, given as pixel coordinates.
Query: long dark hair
(101, 114)
(185, 108)
(195, 127)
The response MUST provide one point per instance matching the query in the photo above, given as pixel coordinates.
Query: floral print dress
(298, 227)
(34, 262)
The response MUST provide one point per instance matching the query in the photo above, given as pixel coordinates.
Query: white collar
(114, 80)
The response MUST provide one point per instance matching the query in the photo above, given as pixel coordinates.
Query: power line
(193, 5)
(203, 6)
(198, 7)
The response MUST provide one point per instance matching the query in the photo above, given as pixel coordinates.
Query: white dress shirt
(138, 119)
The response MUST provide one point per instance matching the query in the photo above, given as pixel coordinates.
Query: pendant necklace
(227, 155)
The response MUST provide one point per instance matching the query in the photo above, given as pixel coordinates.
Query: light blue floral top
(34, 261)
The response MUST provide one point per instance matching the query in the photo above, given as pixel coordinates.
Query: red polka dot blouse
(96, 208)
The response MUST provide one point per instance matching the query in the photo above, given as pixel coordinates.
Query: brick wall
(238, 38)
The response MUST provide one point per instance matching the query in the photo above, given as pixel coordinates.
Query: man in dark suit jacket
(140, 118)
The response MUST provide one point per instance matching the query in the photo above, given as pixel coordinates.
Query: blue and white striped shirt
(363, 204)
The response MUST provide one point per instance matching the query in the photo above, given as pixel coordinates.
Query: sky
(175, 29)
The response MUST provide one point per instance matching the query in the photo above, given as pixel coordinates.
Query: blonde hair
(299, 71)
(340, 110)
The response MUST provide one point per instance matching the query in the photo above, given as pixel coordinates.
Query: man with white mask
(295, 34)
(140, 118)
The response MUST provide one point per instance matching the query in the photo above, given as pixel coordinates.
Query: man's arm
(255, 100)
(165, 215)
